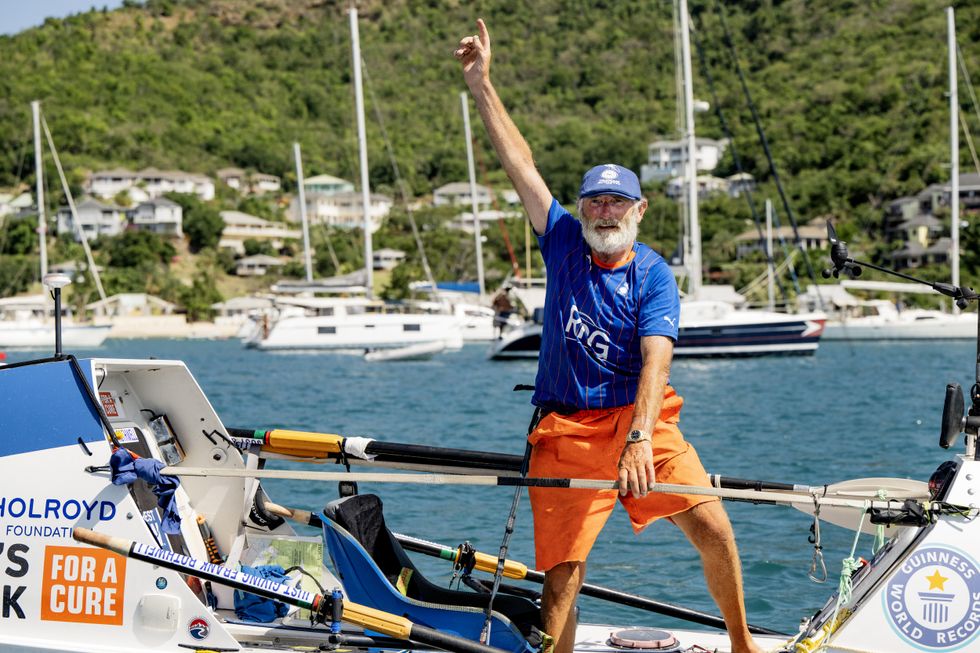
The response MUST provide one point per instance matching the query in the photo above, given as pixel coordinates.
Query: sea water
(850, 411)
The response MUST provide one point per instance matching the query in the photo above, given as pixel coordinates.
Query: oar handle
(101, 540)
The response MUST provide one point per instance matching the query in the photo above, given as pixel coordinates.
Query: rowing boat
(63, 591)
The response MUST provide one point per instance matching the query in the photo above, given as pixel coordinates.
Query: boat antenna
(55, 281)
(954, 421)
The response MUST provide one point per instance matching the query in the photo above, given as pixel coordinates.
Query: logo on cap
(610, 173)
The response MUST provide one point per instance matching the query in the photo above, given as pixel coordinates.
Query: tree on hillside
(19, 236)
(202, 222)
(203, 291)
(133, 248)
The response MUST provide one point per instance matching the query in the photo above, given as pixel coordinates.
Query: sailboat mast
(954, 151)
(42, 223)
(362, 151)
(691, 172)
(302, 212)
(473, 201)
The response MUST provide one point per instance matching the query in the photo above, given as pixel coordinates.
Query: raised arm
(512, 150)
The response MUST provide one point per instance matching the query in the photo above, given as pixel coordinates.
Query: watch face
(635, 436)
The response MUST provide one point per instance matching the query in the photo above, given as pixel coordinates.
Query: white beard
(608, 241)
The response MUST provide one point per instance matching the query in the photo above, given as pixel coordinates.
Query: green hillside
(851, 93)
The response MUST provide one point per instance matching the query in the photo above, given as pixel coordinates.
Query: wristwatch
(636, 435)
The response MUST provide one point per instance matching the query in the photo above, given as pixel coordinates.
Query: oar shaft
(361, 615)
(784, 498)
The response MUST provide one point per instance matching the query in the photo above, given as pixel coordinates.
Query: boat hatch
(647, 639)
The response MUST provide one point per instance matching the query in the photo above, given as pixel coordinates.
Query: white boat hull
(909, 325)
(360, 332)
(717, 329)
(41, 336)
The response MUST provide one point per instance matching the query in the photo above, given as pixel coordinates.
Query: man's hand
(636, 469)
(474, 53)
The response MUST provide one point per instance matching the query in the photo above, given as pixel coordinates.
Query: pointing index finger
(484, 33)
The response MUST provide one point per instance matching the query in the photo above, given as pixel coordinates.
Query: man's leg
(561, 585)
(707, 527)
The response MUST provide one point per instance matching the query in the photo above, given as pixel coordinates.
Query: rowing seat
(372, 565)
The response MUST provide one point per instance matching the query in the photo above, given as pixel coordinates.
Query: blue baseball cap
(610, 179)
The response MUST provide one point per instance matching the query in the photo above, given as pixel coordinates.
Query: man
(611, 313)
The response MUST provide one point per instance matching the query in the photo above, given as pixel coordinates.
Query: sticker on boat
(83, 585)
(933, 602)
(199, 628)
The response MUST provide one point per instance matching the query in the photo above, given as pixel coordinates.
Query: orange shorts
(588, 444)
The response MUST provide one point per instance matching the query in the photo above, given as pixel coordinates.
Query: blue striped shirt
(594, 318)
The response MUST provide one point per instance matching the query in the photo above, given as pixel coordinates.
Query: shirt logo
(623, 289)
(933, 602)
(670, 322)
(582, 328)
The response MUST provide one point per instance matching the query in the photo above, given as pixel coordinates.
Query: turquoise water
(850, 411)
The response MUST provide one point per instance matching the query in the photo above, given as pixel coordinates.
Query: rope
(848, 566)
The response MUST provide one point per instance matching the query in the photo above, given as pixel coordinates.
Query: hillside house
(342, 209)
(95, 219)
(921, 224)
(665, 158)
(458, 193)
(240, 227)
(256, 266)
(249, 183)
(813, 235)
(14, 203)
(327, 185)
(386, 258)
(159, 216)
(147, 184)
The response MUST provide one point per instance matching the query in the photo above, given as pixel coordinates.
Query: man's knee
(565, 574)
(707, 524)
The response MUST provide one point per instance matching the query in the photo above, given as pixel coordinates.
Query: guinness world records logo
(933, 602)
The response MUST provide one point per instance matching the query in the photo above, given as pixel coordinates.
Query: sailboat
(708, 327)
(712, 327)
(359, 324)
(880, 319)
(28, 322)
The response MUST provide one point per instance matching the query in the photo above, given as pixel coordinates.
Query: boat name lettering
(17, 568)
(257, 582)
(36, 508)
(933, 601)
(83, 585)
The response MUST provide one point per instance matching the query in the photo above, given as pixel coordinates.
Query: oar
(324, 608)
(519, 571)
(897, 489)
(308, 444)
(754, 496)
